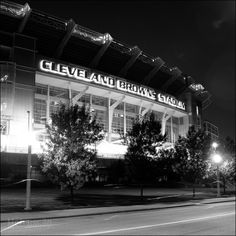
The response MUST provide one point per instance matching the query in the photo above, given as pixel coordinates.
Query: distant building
(211, 129)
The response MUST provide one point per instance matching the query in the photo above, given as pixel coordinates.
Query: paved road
(201, 219)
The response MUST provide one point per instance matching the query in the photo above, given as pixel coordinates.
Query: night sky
(196, 36)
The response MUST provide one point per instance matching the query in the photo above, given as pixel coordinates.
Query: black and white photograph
(117, 117)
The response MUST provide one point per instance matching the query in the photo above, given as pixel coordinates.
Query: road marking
(156, 225)
(9, 227)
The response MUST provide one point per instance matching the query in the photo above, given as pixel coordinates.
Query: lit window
(117, 123)
(39, 111)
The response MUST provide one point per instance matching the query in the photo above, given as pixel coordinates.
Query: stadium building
(46, 60)
(211, 130)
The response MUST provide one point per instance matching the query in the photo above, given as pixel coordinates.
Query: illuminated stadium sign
(108, 81)
(170, 101)
(136, 89)
(76, 73)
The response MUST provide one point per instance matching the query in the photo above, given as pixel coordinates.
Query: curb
(115, 211)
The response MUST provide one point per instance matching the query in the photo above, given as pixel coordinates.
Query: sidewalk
(43, 215)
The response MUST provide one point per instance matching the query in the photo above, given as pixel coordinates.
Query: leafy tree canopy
(143, 140)
(192, 153)
(68, 158)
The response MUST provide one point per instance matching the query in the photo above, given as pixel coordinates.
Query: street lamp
(214, 145)
(28, 181)
(217, 159)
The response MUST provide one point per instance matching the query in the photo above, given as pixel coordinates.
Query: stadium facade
(46, 60)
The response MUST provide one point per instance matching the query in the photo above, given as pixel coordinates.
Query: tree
(143, 140)
(165, 163)
(226, 169)
(191, 153)
(68, 158)
(229, 156)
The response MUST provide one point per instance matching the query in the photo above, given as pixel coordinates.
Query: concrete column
(90, 102)
(165, 117)
(48, 104)
(163, 123)
(110, 114)
(124, 113)
(70, 94)
(140, 110)
(189, 107)
(171, 129)
(186, 124)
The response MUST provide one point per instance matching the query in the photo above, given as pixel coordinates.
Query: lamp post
(217, 159)
(28, 181)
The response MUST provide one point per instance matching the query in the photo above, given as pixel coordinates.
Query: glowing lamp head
(217, 158)
(214, 145)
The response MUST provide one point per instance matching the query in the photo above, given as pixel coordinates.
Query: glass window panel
(131, 108)
(101, 118)
(40, 111)
(54, 107)
(100, 101)
(129, 122)
(59, 92)
(41, 89)
(117, 123)
(85, 98)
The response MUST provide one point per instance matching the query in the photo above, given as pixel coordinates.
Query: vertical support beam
(171, 130)
(25, 19)
(110, 114)
(136, 52)
(186, 124)
(102, 50)
(163, 123)
(176, 72)
(90, 102)
(124, 113)
(159, 63)
(48, 104)
(70, 94)
(70, 28)
(165, 117)
(140, 109)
